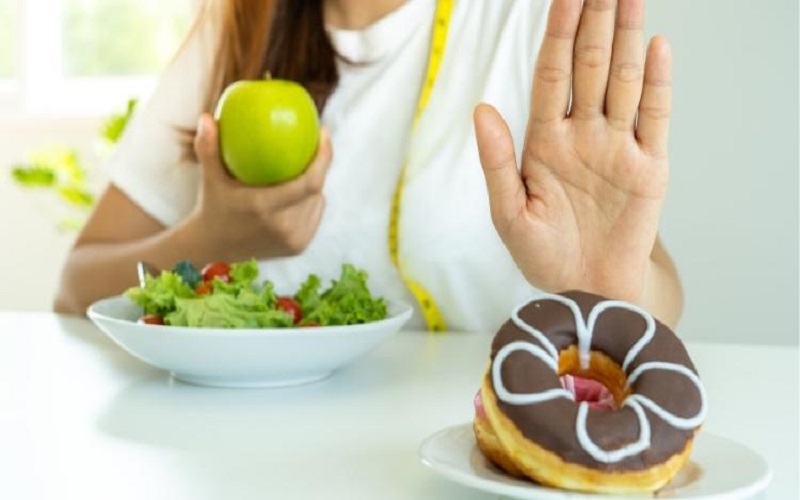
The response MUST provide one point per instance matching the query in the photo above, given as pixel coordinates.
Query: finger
(592, 58)
(553, 75)
(655, 107)
(503, 181)
(627, 61)
(206, 148)
(313, 180)
(310, 183)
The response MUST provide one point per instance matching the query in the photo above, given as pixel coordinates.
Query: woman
(576, 170)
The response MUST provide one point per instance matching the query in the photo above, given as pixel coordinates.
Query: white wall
(731, 220)
(32, 249)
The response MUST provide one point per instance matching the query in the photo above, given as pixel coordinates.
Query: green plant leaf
(76, 196)
(33, 176)
(115, 125)
(63, 160)
(58, 170)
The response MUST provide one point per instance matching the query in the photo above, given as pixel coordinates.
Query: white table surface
(81, 419)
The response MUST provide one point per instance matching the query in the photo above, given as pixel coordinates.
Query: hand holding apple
(232, 221)
(269, 130)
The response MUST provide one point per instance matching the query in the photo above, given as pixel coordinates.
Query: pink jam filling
(584, 389)
(591, 391)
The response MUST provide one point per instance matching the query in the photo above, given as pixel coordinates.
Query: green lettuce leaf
(226, 311)
(243, 276)
(348, 301)
(159, 295)
(244, 303)
(267, 295)
(244, 273)
(308, 296)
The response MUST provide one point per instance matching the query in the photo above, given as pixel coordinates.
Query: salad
(229, 296)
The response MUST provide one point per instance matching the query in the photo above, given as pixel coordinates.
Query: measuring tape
(441, 25)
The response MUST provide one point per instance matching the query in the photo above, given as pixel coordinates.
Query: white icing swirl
(524, 399)
(581, 329)
(670, 418)
(649, 332)
(629, 450)
(584, 331)
(551, 349)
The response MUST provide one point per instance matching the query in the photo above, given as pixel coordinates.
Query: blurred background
(69, 70)
(72, 70)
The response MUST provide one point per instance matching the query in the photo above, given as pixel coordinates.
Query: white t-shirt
(446, 239)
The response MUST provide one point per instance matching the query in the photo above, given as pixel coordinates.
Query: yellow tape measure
(441, 25)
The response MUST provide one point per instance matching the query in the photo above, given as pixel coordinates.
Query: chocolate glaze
(551, 424)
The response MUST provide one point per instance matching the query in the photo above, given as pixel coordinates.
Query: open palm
(583, 210)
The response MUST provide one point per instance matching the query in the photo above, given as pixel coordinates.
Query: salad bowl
(242, 358)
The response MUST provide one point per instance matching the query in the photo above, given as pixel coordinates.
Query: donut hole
(602, 369)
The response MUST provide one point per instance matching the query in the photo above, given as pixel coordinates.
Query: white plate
(243, 358)
(718, 469)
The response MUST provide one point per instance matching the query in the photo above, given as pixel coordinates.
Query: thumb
(499, 161)
(206, 147)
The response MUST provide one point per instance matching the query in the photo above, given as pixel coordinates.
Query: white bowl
(273, 357)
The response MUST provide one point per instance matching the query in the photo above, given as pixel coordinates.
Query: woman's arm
(118, 235)
(230, 222)
(582, 211)
(662, 293)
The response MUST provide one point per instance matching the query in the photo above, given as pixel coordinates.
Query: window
(7, 38)
(84, 57)
(137, 37)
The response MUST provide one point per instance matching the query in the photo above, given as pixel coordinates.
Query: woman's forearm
(662, 293)
(95, 270)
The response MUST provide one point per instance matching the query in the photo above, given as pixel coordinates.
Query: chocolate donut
(557, 441)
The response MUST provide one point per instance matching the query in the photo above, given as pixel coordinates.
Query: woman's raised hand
(583, 210)
(242, 222)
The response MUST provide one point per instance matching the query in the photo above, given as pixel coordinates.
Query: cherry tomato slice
(151, 319)
(291, 306)
(203, 288)
(219, 270)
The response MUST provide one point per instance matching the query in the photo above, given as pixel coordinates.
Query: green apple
(268, 130)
